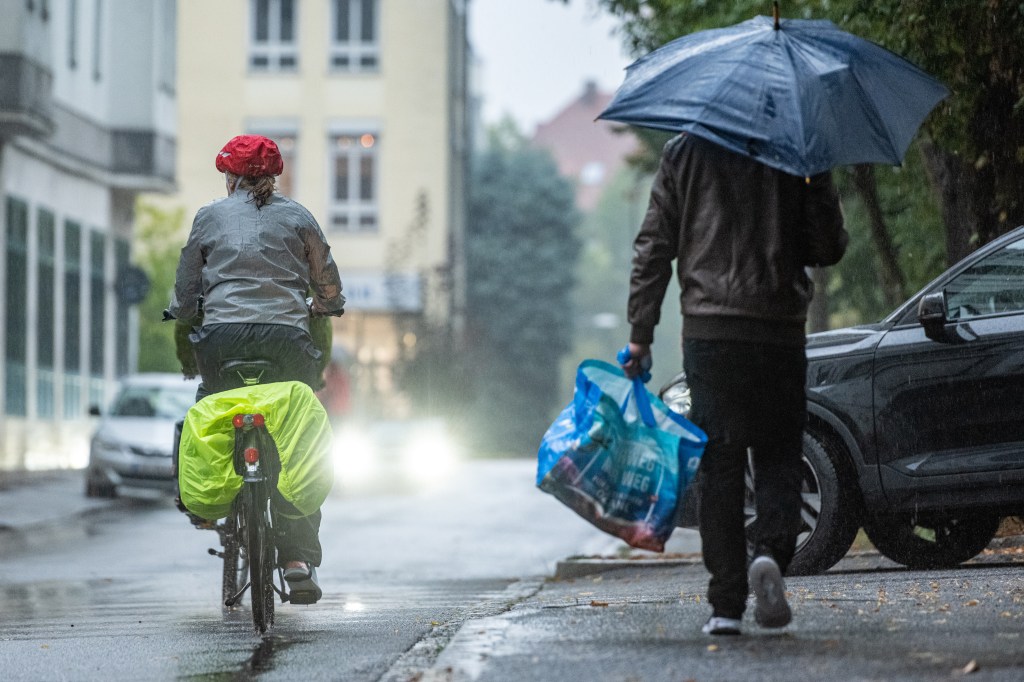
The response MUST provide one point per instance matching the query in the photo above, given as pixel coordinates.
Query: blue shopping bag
(619, 457)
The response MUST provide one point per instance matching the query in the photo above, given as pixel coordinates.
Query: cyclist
(241, 283)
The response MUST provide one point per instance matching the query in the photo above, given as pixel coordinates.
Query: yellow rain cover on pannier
(295, 420)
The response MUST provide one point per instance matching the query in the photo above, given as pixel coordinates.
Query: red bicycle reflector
(238, 421)
(252, 455)
(257, 420)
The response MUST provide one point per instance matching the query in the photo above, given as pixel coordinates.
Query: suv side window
(991, 286)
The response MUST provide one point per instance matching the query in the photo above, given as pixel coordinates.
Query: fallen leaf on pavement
(972, 602)
(712, 647)
(594, 602)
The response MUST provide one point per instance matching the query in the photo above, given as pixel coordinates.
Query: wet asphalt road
(449, 585)
(139, 599)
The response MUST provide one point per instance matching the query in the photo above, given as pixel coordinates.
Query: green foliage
(603, 288)
(912, 215)
(974, 48)
(521, 252)
(158, 240)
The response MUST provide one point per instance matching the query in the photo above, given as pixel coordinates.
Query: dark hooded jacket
(743, 235)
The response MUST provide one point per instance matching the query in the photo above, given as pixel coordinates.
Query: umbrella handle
(775, 14)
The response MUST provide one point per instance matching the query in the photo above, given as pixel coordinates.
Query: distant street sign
(386, 292)
(132, 285)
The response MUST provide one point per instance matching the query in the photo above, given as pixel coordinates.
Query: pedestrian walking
(743, 235)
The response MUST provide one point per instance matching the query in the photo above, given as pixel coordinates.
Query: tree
(158, 241)
(977, 159)
(648, 24)
(521, 253)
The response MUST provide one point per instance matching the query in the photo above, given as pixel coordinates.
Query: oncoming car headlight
(430, 453)
(354, 455)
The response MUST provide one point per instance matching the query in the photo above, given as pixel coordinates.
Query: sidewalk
(630, 617)
(643, 625)
(42, 507)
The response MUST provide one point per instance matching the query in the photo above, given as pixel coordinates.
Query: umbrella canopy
(802, 96)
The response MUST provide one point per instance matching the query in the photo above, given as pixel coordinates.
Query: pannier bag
(619, 457)
(295, 420)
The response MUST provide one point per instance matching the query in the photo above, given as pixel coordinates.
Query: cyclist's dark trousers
(297, 539)
(746, 395)
(291, 350)
(295, 358)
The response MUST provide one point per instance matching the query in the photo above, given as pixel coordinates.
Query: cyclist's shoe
(198, 522)
(771, 609)
(302, 584)
(719, 625)
(302, 571)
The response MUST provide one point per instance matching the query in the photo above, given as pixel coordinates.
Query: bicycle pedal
(304, 597)
(305, 591)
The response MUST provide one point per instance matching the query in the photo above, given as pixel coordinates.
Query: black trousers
(746, 396)
(295, 358)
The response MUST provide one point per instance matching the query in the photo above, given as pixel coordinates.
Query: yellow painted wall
(408, 97)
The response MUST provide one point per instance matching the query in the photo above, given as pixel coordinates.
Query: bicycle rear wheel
(260, 550)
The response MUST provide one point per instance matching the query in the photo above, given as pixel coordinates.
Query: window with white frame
(273, 29)
(97, 40)
(354, 181)
(167, 63)
(355, 35)
(72, 34)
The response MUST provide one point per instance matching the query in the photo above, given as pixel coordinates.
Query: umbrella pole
(775, 13)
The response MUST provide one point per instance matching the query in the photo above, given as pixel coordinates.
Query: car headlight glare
(353, 456)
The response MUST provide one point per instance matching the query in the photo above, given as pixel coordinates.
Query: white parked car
(133, 442)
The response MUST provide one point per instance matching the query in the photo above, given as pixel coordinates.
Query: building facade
(87, 122)
(588, 151)
(367, 102)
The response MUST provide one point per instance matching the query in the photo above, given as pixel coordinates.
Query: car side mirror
(931, 313)
(94, 410)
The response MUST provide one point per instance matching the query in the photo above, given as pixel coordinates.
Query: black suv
(916, 424)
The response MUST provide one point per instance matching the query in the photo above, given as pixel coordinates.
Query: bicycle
(248, 533)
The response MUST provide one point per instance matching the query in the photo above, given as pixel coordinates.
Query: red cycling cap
(251, 156)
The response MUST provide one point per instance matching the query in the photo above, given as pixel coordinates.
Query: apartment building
(367, 101)
(87, 122)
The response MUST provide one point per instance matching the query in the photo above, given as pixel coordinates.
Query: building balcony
(26, 105)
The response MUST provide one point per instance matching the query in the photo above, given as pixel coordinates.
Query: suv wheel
(829, 513)
(930, 540)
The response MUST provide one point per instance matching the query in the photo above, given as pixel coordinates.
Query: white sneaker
(771, 609)
(718, 625)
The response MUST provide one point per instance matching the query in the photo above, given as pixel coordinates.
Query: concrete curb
(579, 567)
(570, 569)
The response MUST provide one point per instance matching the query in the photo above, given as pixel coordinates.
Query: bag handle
(643, 403)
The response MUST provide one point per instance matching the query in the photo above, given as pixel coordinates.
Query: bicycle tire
(261, 557)
(236, 566)
(229, 575)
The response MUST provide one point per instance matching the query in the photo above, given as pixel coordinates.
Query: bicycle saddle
(251, 372)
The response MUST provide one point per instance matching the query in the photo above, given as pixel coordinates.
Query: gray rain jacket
(255, 265)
